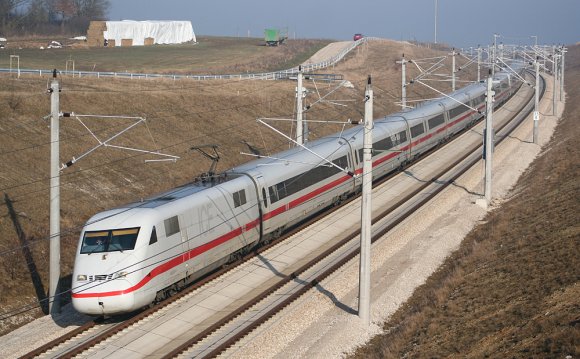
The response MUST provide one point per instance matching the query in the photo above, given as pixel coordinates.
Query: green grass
(211, 55)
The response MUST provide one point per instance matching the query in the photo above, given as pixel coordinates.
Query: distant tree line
(44, 17)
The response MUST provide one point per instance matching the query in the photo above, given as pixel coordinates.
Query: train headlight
(121, 274)
(82, 277)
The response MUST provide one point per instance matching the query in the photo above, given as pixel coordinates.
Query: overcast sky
(462, 23)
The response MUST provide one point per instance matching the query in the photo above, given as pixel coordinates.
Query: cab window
(109, 240)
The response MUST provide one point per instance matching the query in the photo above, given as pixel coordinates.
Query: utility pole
(493, 58)
(299, 109)
(403, 62)
(554, 73)
(54, 300)
(537, 101)
(488, 138)
(489, 56)
(436, 10)
(563, 50)
(478, 63)
(453, 53)
(364, 298)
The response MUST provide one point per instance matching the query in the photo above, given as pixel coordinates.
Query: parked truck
(275, 37)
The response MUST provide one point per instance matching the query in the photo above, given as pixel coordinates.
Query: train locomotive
(134, 255)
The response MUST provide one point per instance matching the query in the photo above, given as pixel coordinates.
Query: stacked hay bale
(95, 36)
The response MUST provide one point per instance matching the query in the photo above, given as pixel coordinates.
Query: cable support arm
(349, 122)
(106, 142)
(429, 59)
(534, 59)
(143, 151)
(321, 99)
(513, 71)
(436, 66)
(421, 100)
(446, 95)
(306, 148)
(470, 62)
(543, 55)
(280, 159)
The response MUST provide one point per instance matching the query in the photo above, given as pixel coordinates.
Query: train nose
(104, 303)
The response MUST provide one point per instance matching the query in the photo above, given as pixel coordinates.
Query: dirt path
(328, 52)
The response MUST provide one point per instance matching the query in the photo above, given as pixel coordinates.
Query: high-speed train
(131, 256)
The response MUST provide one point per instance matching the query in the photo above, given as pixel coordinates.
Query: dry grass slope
(512, 290)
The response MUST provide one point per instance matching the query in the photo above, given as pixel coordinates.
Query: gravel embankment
(325, 324)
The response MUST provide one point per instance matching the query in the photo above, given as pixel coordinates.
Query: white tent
(162, 32)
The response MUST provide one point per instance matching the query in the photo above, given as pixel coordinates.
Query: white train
(130, 256)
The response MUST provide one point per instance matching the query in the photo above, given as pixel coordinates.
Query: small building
(139, 33)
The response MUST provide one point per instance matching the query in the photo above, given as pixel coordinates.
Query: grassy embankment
(512, 290)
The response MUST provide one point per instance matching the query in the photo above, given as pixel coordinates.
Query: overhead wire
(237, 107)
(147, 259)
(195, 113)
(165, 147)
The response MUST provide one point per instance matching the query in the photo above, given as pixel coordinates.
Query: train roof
(297, 157)
(153, 207)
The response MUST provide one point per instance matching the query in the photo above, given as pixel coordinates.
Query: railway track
(240, 323)
(226, 331)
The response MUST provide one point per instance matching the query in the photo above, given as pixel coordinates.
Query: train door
(356, 163)
(407, 149)
(446, 133)
(185, 245)
(263, 198)
(352, 160)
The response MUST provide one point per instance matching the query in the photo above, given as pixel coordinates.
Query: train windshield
(109, 241)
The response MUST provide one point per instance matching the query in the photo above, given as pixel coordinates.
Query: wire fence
(276, 75)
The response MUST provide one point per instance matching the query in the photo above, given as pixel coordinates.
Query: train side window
(476, 102)
(306, 179)
(402, 137)
(437, 121)
(459, 110)
(264, 198)
(239, 198)
(281, 190)
(171, 226)
(417, 130)
(153, 238)
(382, 145)
(273, 194)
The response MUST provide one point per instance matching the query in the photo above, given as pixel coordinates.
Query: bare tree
(62, 10)
(9, 12)
(36, 18)
(29, 16)
(92, 9)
